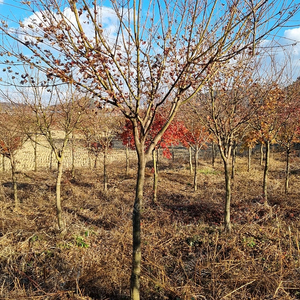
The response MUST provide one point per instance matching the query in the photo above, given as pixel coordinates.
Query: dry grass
(186, 254)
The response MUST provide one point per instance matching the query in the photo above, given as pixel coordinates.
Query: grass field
(46, 159)
(186, 254)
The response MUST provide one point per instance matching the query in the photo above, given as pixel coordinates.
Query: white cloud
(106, 16)
(292, 36)
(282, 52)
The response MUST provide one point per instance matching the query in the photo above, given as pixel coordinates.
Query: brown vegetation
(186, 254)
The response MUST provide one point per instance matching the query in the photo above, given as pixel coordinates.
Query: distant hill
(6, 106)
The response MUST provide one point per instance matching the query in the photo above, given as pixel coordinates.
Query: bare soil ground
(186, 254)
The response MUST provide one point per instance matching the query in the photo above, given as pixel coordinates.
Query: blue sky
(287, 38)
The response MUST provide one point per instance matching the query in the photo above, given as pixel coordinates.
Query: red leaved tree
(173, 136)
(195, 136)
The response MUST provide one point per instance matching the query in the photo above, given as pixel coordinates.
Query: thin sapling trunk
(89, 160)
(51, 160)
(249, 158)
(190, 160)
(14, 181)
(213, 154)
(96, 161)
(196, 155)
(228, 225)
(105, 169)
(287, 169)
(233, 161)
(261, 153)
(173, 154)
(60, 222)
(73, 156)
(155, 176)
(127, 159)
(266, 173)
(35, 152)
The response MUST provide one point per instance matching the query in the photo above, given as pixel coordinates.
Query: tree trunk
(51, 160)
(249, 158)
(173, 154)
(266, 172)
(14, 182)
(287, 170)
(127, 160)
(2, 193)
(96, 161)
(191, 160)
(261, 153)
(104, 169)
(136, 227)
(155, 176)
(213, 157)
(233, 161)
(225, 151)
(60, 222)
(90, 160)
(196, 152)
(227, 222)
(35, 152)
(73, 156)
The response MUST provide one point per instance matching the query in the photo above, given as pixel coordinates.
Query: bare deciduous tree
(12, 139)
(155, 52)
(226, 110)
(100, 127)
(289, 132)
(267, 123)
(55, 112)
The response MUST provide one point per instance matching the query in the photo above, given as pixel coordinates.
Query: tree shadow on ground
(295, 172)
(82, 184)
(21, 185)
(96, 221)
(60, 279)
(173, 176)
(189, 211)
